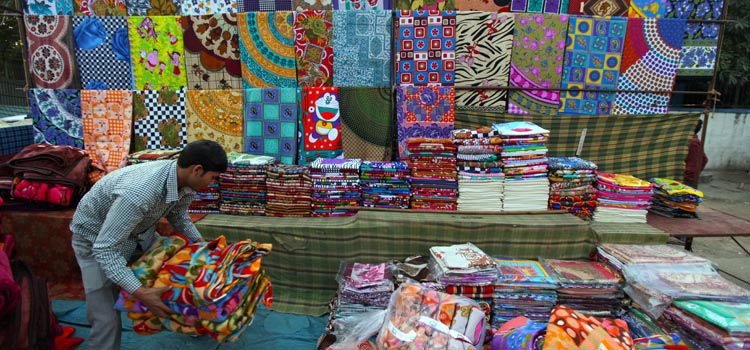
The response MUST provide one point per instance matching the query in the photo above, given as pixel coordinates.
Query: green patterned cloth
(642, 146)
(628, 233)
(367, 124)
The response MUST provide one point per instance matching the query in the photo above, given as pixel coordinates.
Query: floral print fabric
(699, 50)
(57, 117)
(425, 43)
(267, 49)
(50, 46)
(103, 52)
(208, 7)
(215, 115)
(212, 52)
(154, 7)
(647, 8)
(47, 7)
(362, 46)
(107, 122)
(157, 52)
(317, 5)
(314, 48)
(271, 123)
(424, 112)
(159, 119)
(536, 63)
(101, 7)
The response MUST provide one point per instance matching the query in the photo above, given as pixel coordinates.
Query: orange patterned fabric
(107, 123)
(571, 330)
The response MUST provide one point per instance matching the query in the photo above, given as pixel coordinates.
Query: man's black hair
(698, 126)
(206, 153)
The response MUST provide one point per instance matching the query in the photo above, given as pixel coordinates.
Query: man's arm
(179, 218)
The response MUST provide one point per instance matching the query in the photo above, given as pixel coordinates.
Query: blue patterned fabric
(48, 7)
(425, 44)
(103, 52)
(699, 50)
(362, 48)
(57, 117)
(271, 123)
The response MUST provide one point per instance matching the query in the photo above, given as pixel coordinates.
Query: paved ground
(729, 192)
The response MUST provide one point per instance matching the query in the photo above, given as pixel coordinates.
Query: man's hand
(151, 297)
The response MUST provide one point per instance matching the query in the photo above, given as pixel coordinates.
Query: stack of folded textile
(590, 287)
(674, 199)
(363, 288)
(462, 264)
(568, 328)
(619, 255)
(572, 186)
(647, 334)
(720, 324)
(335, 185)
(289, 190)
(524, 158)
(214, 287)
(150, 155)
(434, 185)
(524, 288)
(622, 198)
(480, 172)
(243, 185)
(385, 184)
(207, 200)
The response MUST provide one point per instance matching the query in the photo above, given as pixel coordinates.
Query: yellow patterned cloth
(267, 49)
(215, 115)
(157, 52)
(107, 124)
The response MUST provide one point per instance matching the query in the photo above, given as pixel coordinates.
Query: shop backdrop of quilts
(300, 79)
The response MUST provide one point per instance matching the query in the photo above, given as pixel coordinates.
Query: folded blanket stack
(385, 184)
(480, 170)
(363, 288)
(524, 158)
(214, 287)
(434, 184)
(675, 199)
(289, 190)
(621, 255)
(207, 200)
(720, 324)
(523, 288)
(622, 198)
(335, 184)
(591, 287)
(568, 328)
(243, 185)
(572, 186)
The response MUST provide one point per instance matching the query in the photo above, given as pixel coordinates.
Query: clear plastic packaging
(352, 331)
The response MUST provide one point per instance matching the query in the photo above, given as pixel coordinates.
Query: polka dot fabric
(570, 330)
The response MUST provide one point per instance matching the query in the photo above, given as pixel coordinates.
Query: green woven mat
(629, 233)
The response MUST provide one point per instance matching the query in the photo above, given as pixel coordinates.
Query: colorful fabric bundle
(700, 47)
(622, 198)
(536, 63)
(43, 192)
(425, 43)
(362, 288)
(107, 125)
(267, 49)
(158, 52)
(424, 111)
(152, 155)
(212, 51)
(320, 124)
(701, 330)
(572, 186)
(243, 185)
(289, 190)
(570, 329)
(462, 264)
(159, 119)
(207, 200)
(733, 318)
(50, 49)
(524, 158)
(434, 184)
(591, 287)
(421, 318)
(675, 199)
(313, 46)
(649, 62)
(362, 43)
(619, 255)
(480, 183)
(385, 184)
(367, 123)
(335, 184)
(214, 287)
(271, 123)
(57, 116)
(215, 115)
(523, 288)
(519, 333)
(103, 51)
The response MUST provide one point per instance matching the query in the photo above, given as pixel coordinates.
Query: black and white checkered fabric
(159, 113)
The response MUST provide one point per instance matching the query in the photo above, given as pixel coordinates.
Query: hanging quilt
(438, 5)
(107, 122)
(100, 8)
(154, 7)
(602, 8)
(700, 48)
(483, 53)
(482, 5)
(536, 63)
(592, 61)
(310, 5)
(649, 62)
(314, 48)
(47, 7)
(271, 123)
(267, 49)
(159, 119)
(50, 43)
(103, 52)
(362, 43)
(540, 6)
(362, 5)
(424, 111)
(264, 5)
(57, 117)
(425, 43)
(648, 8)
(320, 124)
(212, 52)
(157, 52)
(215, 115)
(367, 123)
(208, 7)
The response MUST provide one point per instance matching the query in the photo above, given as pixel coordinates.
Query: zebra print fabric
(483, 57)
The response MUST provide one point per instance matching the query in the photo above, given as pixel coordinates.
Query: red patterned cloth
(313, 46)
